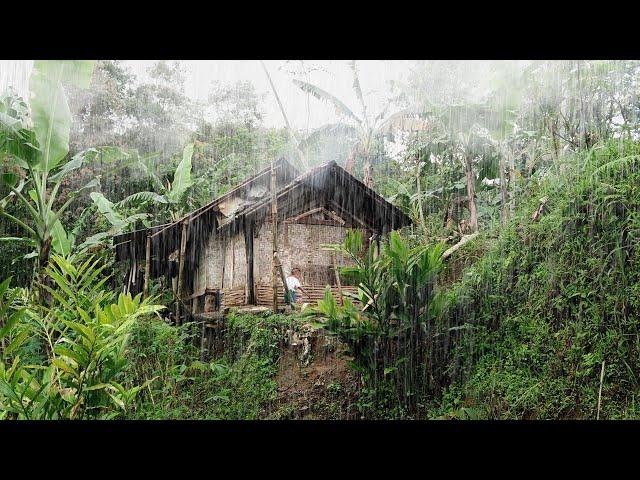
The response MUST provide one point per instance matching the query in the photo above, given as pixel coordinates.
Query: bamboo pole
(183, 249)
(337, 273)
(463, 240)
(280, 270)
(600, 391)
(274, 226)
(147, 267)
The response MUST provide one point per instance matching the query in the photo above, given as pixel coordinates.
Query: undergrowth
(238, 385)
(554, 303)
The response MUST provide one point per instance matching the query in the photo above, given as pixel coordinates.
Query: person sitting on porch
(293, 284)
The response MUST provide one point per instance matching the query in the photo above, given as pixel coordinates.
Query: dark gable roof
(328, 185)
(166, 237)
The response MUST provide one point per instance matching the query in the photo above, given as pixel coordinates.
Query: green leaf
(16, 239)
(320, 94)
(16, 342)
(182, 177)
(49, 108)
(10, 179)
(61, 242)
(141, 197)
(7, 391)
(62, 365)
(65, 352)
(105, 154)
(4, 286)
(105, 207)
(10, 323)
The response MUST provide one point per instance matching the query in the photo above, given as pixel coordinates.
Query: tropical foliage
(512, 295)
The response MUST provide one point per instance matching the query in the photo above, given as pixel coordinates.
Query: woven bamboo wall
(298, 245)
(264, 293)
(233, 297)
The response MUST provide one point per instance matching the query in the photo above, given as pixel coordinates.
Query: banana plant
(170, 198)
(86, 330)
(364, 126)
(34, 150)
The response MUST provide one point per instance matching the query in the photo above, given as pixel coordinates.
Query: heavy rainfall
(319, 239)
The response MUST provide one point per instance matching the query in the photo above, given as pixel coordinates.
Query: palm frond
(320, 94)
(358, 89)
(402, 121)
(331, 129)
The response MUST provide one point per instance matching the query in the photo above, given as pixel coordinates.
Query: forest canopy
(512, 294)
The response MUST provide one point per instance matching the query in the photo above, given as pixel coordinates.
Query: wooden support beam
(147, 266)
(183, 250)
(337, 273)
(248, 246)
(274, 235)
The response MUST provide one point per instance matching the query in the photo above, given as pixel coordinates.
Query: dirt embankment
(315, 380)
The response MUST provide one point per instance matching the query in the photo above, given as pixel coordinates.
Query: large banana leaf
(140, 197)
(49, 108)
(182, 177)
(358, 89)
(320, 94)
(331, 130)
(106, 208)
(105, 154)
(61, 241)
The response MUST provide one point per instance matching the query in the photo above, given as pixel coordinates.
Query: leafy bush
(392, 335)
(83, 334)
(239, 385)
(554, 303)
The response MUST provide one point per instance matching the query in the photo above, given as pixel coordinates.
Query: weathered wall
(235, 265)
(298, 245)
(210, 265)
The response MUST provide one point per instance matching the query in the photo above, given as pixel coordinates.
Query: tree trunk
(351, 160)
(504, 211)
(274, 235)
(512, 181)
(40, 278)
(471, 193)
(368, 174)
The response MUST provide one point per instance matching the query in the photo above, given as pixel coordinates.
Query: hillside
(553, 303)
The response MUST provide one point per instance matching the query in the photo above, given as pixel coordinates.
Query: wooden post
(147, 266)
(274, 227)
(279, 269)
(335, 270)
(248, 252)
(504, 210)
(183, 249)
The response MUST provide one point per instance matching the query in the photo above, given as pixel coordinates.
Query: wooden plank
(147, 266)
(248, 248)
(274, 235)
(183, 249)
(335, 269)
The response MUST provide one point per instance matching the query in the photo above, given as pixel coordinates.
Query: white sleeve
(296, 283)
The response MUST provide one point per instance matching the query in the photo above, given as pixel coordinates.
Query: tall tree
(365, 127)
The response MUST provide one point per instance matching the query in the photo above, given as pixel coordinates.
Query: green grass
(551, 300)
(239, 385)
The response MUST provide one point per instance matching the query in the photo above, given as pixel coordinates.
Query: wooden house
(221, 255)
